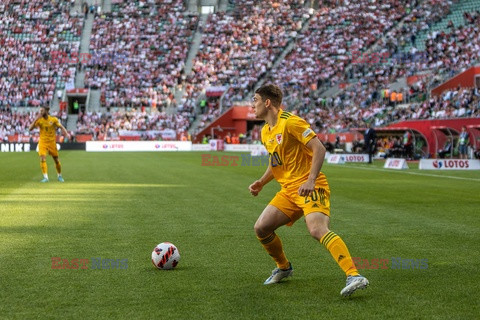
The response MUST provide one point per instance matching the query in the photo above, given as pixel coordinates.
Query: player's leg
(318, 226)
(316, 209)
(279, 212)
(270, 220)
(58, 166)
(43, 167)
(42, 152)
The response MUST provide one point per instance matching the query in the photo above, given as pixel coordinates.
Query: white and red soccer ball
(165, 256)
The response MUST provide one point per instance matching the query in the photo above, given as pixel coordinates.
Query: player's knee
(261, 230)
(318, 231)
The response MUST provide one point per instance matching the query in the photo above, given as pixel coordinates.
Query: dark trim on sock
(268, 239)
(327, 237)
(331, 239)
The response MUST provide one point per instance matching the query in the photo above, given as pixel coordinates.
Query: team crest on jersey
(279, 138)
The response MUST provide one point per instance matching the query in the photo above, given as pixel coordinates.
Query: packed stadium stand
(364, 100)
(240, 45)
(32, 33)
(142, 47)
(342, 64)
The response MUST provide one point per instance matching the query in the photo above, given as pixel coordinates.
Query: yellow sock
(339, 251)
(59, 167)
(43, 166)
(273, 245)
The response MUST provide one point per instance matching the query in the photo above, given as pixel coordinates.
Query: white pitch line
(414, 173)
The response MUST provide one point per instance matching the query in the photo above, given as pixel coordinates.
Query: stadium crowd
(363, 100)
(111, 125)
(238, 47)
(324, 49)
(30, 31)
(146, 45)
(331, 116)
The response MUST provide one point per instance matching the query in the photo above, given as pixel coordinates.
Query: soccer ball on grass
(165, 256)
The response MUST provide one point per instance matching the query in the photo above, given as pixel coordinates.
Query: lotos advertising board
(449, 164)
(342, 158)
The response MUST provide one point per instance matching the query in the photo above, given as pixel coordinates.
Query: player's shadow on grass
(357, 297)
(302, 283)
(176, 270)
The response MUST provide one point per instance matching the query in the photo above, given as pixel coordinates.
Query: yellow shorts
(50, 147)
(295, 206)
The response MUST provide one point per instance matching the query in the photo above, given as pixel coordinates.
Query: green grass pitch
(120, 205)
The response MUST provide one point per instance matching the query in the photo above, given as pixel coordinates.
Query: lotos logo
(157, 146)
(451, 164)
(105, 146)
(456, 164)
(354, 158)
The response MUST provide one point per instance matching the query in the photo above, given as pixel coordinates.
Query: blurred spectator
(463, 142)
(447, 149)
(370, 138)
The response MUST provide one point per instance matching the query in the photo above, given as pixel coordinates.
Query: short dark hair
(272, 92)
(46, 108)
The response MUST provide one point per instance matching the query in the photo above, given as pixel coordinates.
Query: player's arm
(64, 131)
(257, 186)
(318, 155)
(34, 123)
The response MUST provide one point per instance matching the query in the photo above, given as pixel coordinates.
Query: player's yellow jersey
(48, 128)
(290, 159)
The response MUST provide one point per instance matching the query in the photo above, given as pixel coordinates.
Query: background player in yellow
(296, 157)
(47, 144)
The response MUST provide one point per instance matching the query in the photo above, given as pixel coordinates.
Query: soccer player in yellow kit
(296, 157)
(47, 144)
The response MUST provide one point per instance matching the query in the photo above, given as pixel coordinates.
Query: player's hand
(306, 189)
(255, 188)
